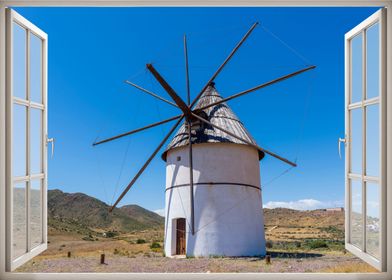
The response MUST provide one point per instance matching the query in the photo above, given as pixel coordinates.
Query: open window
(365, 139)
(26, 140)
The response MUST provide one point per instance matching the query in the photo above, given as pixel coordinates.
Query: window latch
(51, 140)
(341, 140)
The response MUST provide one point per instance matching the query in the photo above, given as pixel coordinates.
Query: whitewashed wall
(228, 218)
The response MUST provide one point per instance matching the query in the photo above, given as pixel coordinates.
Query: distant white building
(227, 194)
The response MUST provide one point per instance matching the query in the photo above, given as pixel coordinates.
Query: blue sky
(93, 50)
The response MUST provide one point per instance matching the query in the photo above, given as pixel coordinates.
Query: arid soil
(129, 253)
(157, 263)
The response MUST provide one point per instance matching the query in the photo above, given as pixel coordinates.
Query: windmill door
(181, 237)
(26, 174)
(365, 140)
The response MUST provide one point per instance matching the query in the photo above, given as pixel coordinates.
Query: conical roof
(220, 115)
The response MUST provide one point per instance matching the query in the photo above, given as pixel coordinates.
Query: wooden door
(181, 239)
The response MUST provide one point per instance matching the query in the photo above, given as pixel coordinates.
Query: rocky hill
(312, 218)
(78, 212)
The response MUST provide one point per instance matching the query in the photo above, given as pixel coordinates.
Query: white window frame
(14, 18)
(377, 17)
(205, 3)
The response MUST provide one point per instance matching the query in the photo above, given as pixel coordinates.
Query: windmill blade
(176, 98)
(136, 130)
(150, 93)
(190, 140)
(188, 89)
(246, 141)
(224, 63)
(285, 77)
(145, 164)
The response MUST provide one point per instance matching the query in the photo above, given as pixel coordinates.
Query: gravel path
(157, 263)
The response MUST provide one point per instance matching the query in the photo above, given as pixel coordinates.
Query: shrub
(110, 234)
(88, 238)
(155, 245)
(140, 241)
(315, 244)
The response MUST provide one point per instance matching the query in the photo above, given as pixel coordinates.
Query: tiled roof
(220, 115)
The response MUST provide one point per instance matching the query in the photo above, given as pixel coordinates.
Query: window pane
(36, 141)
(356, 141)
(372, 140)
(36, 213)
(373, 219)
(19, 61)
(19, 220)
(19, 140)
(373, 61)
(356, 213)
(356, 68)
(35, 69)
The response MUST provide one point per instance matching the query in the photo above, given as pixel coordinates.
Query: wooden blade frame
(224, 63)
(176, 98)
(136, 130)
(145, 164)
(285, 77)
(151, 93)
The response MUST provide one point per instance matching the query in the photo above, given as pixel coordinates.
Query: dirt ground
(128, 253)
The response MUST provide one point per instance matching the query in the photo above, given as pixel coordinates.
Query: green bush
(88, 238)
(140, 241)
(155, 245)
(111, 234)
(315, 244)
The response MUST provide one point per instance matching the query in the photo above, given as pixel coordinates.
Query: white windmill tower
(213, 193)
(228, 214)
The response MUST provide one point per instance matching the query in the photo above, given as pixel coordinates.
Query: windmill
(224, 148)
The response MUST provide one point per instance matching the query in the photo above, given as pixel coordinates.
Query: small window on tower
(178, 158)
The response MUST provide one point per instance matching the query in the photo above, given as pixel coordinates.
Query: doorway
(180, 236)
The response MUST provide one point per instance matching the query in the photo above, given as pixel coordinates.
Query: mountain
(310, 218)
(82, 213)
(143, 215)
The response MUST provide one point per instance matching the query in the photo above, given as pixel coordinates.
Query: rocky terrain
(81, 230)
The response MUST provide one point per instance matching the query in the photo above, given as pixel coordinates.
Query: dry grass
(123, 254)
(351, 268)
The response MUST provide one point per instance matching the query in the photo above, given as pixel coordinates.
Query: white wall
(228, 218)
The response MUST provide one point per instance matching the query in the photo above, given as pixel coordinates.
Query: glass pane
(356, 213)
(373, 61)
(373, 219)
(36, 213)
(356, 141)
(356, 68)
(35, 141)
(35, 69)
(19, 61)
(372, 140)
(19, 140)
(19, 220)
